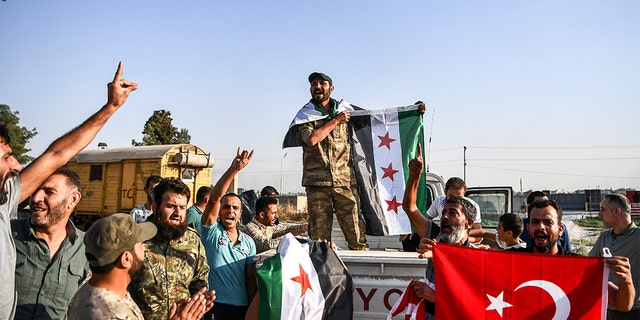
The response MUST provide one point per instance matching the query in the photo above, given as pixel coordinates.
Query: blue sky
(543, 91)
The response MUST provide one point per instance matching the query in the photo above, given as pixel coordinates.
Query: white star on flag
(497, 303)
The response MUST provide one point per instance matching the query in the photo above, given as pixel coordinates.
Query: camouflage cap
(109, 237)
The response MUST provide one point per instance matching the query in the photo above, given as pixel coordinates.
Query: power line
(556, 159)
(555, 173)
(554, 148)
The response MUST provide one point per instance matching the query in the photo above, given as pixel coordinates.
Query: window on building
(95, 173)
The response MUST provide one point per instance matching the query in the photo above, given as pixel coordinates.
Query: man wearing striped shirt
(263, 229)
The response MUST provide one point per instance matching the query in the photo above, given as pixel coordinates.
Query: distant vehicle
(493, 202)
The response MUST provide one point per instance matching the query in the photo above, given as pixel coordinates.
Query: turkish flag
(488, 284)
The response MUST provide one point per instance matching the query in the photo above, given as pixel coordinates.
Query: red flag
(413, 305)
(488, 284)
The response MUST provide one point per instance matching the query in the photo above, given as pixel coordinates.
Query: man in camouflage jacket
(328, 174)
(175, 265)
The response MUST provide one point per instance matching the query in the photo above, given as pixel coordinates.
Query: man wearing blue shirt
(229, 252)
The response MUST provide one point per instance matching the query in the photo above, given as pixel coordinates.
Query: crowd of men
(167, 261)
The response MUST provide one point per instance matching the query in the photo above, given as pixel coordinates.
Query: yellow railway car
(113, 179)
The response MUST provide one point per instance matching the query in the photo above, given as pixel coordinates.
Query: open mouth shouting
(175, 219)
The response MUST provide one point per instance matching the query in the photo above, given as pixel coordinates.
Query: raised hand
(416, 164)
(119, 89)
(422, 107)
(242, 159)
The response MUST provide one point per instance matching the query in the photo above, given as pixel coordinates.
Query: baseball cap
(109, 237)
(321, 76)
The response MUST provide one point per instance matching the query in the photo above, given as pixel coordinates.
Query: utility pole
(281, 161)
(464, 177)
(520, 184)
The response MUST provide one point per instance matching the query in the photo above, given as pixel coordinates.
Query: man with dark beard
(51, 264)
(545, 227)
(175, 264)
(115, 253)
(18, 184)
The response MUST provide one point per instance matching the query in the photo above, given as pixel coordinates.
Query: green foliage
(19, 136)
(590, 222)
(159, 130)
(596, 223)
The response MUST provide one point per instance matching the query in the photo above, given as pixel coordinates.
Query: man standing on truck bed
(328, 172)
(16, 188)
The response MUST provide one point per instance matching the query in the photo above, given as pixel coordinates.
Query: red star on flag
(388, 172)
(303, 280)
(393, 204)
(385, 141)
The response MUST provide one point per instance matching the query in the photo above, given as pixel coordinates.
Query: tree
(159, 130)
(19, 136)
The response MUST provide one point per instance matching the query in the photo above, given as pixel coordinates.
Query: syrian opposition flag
(302, 282)
(383, 142)
(488, 284)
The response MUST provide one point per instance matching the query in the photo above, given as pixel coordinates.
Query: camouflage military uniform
(98, 303)
(172, 271)
(330, 183)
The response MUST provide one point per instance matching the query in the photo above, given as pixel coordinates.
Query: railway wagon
(113, 179)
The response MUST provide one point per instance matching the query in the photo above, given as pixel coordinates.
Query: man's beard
(548, 247)
(326, 96)
(55, 215)
(136, 273)
(168, 231)
(456, 235)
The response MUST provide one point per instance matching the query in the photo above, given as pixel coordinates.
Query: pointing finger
(419, 150)
(118, 74)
